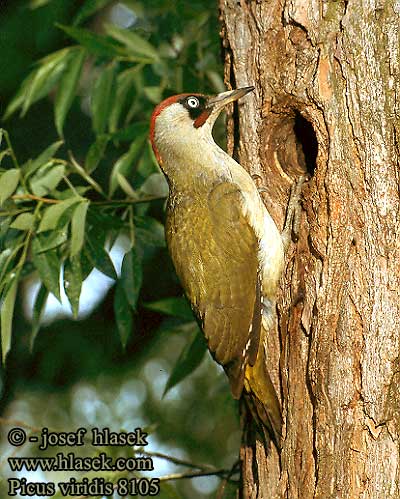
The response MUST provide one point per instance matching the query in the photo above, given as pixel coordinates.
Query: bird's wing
(222, 281)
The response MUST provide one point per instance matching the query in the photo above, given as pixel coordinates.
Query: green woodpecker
(226, 249)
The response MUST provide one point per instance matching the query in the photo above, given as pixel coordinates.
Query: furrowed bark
(326, 102)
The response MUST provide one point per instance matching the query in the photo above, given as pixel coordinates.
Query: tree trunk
(327, 102)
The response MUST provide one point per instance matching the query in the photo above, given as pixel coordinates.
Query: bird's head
(184, 121)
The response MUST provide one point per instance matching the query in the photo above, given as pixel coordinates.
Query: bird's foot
(256, 177)
(293, 212)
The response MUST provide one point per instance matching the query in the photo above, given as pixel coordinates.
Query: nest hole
(294, 142)
(307, 143)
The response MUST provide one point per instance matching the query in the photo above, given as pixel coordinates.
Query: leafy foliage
(61, 215)
(81, 114)
(190, 357)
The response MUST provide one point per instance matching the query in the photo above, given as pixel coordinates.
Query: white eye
(193, 102)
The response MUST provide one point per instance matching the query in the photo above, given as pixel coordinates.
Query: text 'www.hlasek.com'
(124, 469)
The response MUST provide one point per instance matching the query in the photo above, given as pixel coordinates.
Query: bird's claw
(255, 177)
(292, 222)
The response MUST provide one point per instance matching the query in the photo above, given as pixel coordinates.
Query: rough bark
(332, 66)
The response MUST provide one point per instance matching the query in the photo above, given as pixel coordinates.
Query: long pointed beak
(221, 100)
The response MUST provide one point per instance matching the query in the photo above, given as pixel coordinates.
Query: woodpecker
(227, 251)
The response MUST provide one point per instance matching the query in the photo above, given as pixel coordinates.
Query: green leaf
(53, 213)
(89, 8)
(155, 185)
(39, 82)
(189, 359)
(8, 183)
(131, 132)
(95, 153)
(5, 258)
(67, 88)
(24, 221)
(46, 179)
(86, 265)
(8, 256)
(177, 307)
(131, 277)
(126, 162)
(6, 317)
(137, 46)
(32, 165)
(18, 99)
(45, 77)
(147, 164)
(103, 98)
(27, 269)
(125, 88)
(53, 239)
(104, 222)
(126, 186)
(154, 94)
(78, 227)
(149, 231)
(4, 226)
(35, 4)
(98, 256)
(4, 153)
(73, 279)
(77, 191)
(123, 314)
(96, 44)
(82, 172)
(136, 101)
(48, 265)
(38, 310)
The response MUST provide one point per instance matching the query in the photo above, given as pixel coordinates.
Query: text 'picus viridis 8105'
(226, 249)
